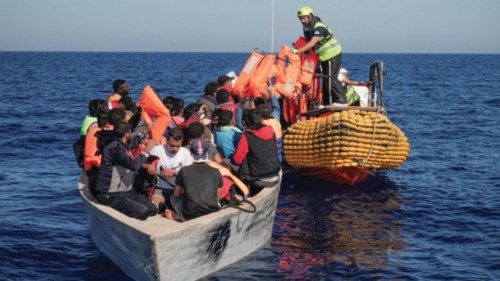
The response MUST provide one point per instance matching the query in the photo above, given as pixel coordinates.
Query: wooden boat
(161, 249)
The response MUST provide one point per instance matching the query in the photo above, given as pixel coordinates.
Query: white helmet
(343, 71)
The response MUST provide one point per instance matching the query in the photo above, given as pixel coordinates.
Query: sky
(361, 26)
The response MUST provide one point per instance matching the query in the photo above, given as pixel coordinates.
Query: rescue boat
(339, 144)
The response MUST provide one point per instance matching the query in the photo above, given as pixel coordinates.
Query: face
(123, 89)
(174, 145)
(305, 20)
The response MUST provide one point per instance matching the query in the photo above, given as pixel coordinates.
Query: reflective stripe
(351, 95)
(328, 46)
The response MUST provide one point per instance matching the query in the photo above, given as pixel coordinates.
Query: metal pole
(272, 30)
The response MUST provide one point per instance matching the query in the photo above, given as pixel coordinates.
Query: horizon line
(240, 52)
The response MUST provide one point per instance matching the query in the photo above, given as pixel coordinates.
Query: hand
(149, 145)
(168, 173)
(152, 168)
(203, 109)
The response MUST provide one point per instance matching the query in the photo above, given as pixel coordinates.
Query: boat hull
(161, 249)
(345, 175)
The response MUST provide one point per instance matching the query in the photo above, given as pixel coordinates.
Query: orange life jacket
(91, 155)
(153, 107)
(308, 61)
(246, 72)
(258, 82)
(288, 70)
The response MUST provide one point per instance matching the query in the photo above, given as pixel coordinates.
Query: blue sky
(367, 26)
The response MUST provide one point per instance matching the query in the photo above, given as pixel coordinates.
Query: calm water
(436, 217)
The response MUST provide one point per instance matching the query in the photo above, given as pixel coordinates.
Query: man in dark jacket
(116, 176)
(256, 153)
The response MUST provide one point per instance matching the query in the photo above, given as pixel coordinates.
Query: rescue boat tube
(351, 138)
(155, 114)
(247, 72)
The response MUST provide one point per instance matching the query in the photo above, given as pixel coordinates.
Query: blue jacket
(225, 138)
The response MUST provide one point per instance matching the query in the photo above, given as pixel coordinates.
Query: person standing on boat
(115, 178)
(329, 51)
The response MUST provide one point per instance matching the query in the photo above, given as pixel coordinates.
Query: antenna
(272, 30)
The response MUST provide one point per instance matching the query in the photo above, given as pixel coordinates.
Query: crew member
(329, 51)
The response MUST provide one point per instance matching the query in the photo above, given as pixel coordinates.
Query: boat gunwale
(158, 226)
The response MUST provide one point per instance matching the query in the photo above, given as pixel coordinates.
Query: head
(116, 116)
(224, 80)
(94, 106)
(168, 102)
(252, 118)
(199, 150)
(343, 72)
(102, 115)
(265, 111)
(211, 88)
(305, 15)
(122, 131)
(174, 140)
(195, 130)
(190, 109)
(222, 96)
(225, 118)
(120, 86)
(125, 102)
(258, 101)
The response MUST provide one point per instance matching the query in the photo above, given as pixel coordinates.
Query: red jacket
(264, 133)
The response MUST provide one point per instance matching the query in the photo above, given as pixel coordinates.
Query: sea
(436, 217)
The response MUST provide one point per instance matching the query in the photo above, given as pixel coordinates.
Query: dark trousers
(131, 203)
(331, 68)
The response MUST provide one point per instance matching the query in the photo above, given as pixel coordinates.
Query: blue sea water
(435, 217)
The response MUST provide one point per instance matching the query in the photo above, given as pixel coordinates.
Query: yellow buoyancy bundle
(351, 138)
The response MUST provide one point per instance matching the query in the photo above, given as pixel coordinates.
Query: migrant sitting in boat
(147, 170)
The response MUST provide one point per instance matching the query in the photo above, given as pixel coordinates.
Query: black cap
(199, 150)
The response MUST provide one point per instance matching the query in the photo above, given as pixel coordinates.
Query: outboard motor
(377, 75)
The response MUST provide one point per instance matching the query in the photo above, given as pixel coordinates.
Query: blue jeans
(130, 203)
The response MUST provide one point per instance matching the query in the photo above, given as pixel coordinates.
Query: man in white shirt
(172, 157)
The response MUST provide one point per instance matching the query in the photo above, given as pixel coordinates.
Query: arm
(276, 113)
(179, 183)
(355, 83)
(309, 45)
(241, 150)
(178, 191)
(120, 155)
(226, 173)
(238, 118)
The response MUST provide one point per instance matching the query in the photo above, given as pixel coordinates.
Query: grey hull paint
(160, 249)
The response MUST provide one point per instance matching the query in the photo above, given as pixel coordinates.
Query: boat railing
(377, 73)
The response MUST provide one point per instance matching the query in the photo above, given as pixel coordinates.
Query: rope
(237, 206)
(373, 136)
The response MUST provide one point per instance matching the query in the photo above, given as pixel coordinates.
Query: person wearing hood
(329, 51)
(256, 153)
